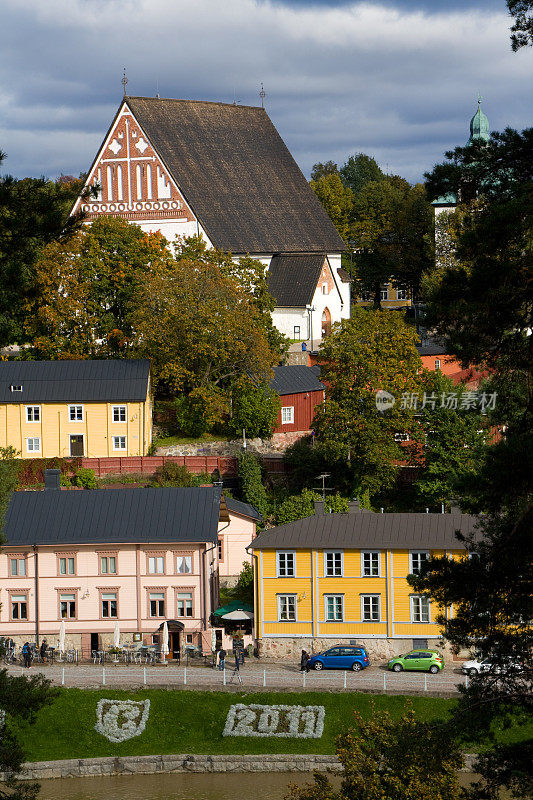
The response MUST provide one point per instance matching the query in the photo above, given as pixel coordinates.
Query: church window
(119, 183)
(109, 184)
(149, 182)
(139, 184)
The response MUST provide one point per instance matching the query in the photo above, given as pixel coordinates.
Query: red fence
(147, 465)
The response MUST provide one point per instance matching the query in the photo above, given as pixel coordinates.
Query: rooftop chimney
(455, 510)
(320, 507)
(353, 507)
(52, 479)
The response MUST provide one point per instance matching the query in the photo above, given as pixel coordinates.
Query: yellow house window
(33, 444)
(417, 560)
(333, 563)
(370, 563)
(286, 564)
(286, 608)
(33, 413)
(75, 413)
(334, 604)
(119, 413)
(419, 609)
(370, 607)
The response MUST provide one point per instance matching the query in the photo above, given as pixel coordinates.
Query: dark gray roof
(238, 176)
(244, 509)
(295, 379)
(100, 517)
(431, 350)
(384, 531)
(292, 279)
(74, 381)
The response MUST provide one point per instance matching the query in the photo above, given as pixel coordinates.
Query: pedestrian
(44, 648)
(237, 660)
(26, 652)
(221, 659)
(304, 660)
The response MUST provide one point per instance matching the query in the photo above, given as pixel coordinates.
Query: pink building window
(66, 563)
(184, 563)
(18, 606)
(108, 605)
(68, 606)
(17, 564)
(107, 563)
(155, 563)
(156, 603)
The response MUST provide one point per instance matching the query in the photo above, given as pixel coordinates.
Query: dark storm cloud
(396, 80)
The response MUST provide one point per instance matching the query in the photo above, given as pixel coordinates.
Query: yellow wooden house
(343, 577)
(76, 408)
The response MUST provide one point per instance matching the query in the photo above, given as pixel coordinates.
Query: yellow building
(76, 408)
(391, 297)
(339, 577)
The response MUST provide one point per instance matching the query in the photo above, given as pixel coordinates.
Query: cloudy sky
(397, 79)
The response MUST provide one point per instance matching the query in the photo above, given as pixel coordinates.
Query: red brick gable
(135, 184)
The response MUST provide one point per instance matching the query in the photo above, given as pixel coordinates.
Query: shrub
(86, 479)
(250, 485)
(172, 474)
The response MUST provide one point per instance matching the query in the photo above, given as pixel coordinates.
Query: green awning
(233, 606)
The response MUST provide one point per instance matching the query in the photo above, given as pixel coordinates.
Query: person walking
(26, 652)
(221, 659)
(304, 660)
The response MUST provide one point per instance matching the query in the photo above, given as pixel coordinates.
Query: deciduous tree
(33, 213)
(374, 350)
(384, 759)
(85, 288)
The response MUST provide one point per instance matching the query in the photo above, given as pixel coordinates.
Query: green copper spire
(479, 125)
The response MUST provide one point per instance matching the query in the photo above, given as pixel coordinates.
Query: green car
(426, 660)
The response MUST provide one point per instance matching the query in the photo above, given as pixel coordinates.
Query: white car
(476, 667)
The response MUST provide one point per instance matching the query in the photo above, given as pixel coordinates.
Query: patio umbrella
(61, 642)
(164, 641)
(238, 615)
(116, 635)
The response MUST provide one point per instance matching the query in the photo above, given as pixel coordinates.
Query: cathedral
(222, 172)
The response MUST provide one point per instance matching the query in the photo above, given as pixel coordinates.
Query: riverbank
(193, 723)
(180, 764)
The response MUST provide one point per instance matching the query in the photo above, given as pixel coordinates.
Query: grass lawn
(192, 722)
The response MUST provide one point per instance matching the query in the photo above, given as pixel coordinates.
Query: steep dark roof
(431, 350)
(100, 517)
(244, 509)
(295, 379)
(292, 279)
(325, 531)
(238, 176)
(74, 381)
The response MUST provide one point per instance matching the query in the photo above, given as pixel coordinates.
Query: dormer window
(16, 387)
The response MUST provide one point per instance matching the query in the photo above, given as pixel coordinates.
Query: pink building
(137, 557)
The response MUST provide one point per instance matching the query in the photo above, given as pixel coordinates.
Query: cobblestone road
(253, 676)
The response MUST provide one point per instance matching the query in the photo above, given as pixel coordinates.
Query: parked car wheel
(397, 668)
(318, 665)
(473, 672)
(356, 666)
(433, 669)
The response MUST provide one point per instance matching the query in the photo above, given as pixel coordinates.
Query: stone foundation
(377, 649)
(147, 765)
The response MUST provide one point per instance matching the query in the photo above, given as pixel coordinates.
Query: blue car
(342, 656)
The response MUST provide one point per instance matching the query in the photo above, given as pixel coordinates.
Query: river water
(181, 786)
